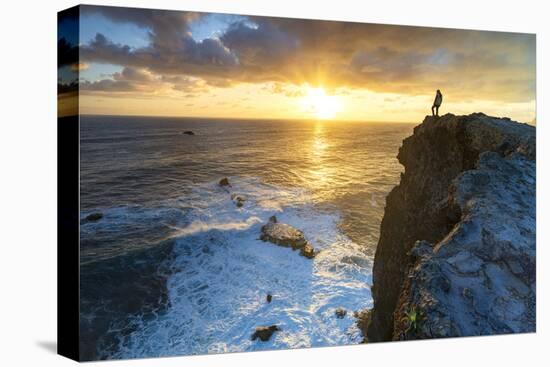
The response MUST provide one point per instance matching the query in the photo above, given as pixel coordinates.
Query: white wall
(28, 181)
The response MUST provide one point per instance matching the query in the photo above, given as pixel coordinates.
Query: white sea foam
(200, 226)
(223, 272)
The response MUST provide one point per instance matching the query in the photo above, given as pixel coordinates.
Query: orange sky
(148, 62)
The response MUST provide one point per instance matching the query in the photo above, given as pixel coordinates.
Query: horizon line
(248, 118)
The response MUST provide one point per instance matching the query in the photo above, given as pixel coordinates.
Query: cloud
(67, 53)
(108, 85)
(134, 75)
(381, 58)
(79, 66)
(171, 48)
(128, 80)
(185, 83)
(145, 82)
(63, 88)
(68, 67)
(287, 90)
(260, 44)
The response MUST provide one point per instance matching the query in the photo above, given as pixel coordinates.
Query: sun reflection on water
(321, 172)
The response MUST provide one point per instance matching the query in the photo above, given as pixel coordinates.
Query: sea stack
(456, 253)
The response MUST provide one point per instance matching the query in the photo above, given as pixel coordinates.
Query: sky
(171, 63)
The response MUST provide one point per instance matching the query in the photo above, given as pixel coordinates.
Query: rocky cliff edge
(456, 254)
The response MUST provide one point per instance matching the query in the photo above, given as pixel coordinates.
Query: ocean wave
(199, 226)
(220, 274)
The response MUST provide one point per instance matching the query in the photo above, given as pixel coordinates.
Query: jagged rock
(456, 254)
(340, 313)
(94, 217)
(224, 182)
(308, 251)
(287, 236)
(265, 332)
(239, 201)
(362, 321)
(188, 132)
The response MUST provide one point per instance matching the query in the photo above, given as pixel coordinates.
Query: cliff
(456, 253)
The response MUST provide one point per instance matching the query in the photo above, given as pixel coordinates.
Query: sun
(321, 105)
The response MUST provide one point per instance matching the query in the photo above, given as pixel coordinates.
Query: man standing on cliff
(437, 102)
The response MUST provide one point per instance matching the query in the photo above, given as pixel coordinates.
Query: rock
(239, 201)
(269, 298)
(457, 240)
(188, 132)
(224, 182)
(363, 320)
(287, 236)
(340, 313)
(94, 217)
(308, 251)
(283, 235)
(265, 332)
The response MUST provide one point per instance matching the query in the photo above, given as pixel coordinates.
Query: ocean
(174, 267)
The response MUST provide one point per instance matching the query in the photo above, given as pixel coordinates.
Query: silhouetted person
(437, 102)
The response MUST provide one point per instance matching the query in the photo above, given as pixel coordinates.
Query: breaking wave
(220, 274)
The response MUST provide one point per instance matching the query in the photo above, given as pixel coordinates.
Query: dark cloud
(414, 60)
(171, 45)
(67, 53)
(128, 80)
(140, 80)
(108, 85)
(67, 87)
(261, 44)
(134, 75)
